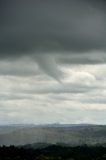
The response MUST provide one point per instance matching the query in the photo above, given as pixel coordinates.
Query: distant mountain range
(67, 134)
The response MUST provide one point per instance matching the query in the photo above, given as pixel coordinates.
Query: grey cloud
(12, 96)
(48, 64)
(92, 97)
(21, 67)
(37, 28)
(94, 57)
(58, 89)
(28, 26)
(94, 100)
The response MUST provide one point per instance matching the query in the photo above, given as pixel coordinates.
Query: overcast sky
(52, 61)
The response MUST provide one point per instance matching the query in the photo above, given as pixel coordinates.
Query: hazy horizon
(51, 124)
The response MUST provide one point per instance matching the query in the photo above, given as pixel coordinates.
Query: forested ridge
(53, 152)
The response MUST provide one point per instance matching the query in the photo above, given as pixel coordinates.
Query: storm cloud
(38, 28)
(32, 26)
(66, 39)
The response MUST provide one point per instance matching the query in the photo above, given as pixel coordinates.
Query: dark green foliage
(53, 152)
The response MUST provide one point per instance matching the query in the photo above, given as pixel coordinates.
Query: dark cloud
(53, 27)
(39, 26)
(52, 32)
(91, 58)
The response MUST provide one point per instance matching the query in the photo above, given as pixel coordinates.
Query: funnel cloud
(43, 42)
(48, 64)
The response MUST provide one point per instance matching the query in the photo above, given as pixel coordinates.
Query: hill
(69, 135)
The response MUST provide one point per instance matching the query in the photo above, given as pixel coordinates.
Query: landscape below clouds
(44, 135)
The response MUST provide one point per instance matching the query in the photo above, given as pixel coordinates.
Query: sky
(52, 61)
